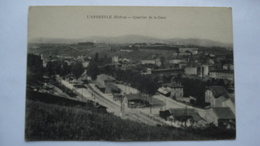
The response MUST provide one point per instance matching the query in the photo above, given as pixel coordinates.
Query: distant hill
(129, 39)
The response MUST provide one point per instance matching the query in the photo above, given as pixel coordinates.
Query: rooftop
(219, 91)
(134, 97)
(185, 112)
(172, 85)
(223, 113)
(105, 77)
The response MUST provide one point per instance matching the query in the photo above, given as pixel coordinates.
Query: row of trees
(143, 83)
(62, 68)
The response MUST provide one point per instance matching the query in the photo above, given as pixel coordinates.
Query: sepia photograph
(130, 73)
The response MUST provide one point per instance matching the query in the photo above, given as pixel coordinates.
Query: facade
(175, 90)
(222, 74)
(228, 67)
(105, 84)
(156, 61)
(191, 70)
(115, 59)
(177, 61)
(205, 70)
(136, 100)
(216, 95)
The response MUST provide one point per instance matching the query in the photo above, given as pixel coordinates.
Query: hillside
(130, 39)
(56, 122)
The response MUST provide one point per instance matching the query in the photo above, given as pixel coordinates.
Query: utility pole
(151, 105)
(165, 103)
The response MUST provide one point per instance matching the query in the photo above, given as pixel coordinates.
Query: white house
(216, 95)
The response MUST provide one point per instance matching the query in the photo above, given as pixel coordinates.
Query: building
(216, 95)
(222, 74)
(191, 70)
(115, 59)
(177, 61)
(228, 67)
(204, 70)
(174, 90)
(85, 64)
(126, 50)
(105, 84)
(183, 117)
(221, 117)
(136, 100)
(156, 61)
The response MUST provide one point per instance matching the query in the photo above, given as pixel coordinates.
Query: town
(158, 84)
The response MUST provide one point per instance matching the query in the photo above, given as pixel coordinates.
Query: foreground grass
(46, 121)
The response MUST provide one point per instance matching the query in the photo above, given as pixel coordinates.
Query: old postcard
(130, 74)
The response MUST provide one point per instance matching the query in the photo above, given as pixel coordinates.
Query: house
(177, 61)
(189, 70)
(105, 83)
(136, 100)
(228, 66)
(115, 59)
(85, 64)
(155, 61)
(221, 117)
(204, 70)
(183, 117)
(216, 95)
(174, 90)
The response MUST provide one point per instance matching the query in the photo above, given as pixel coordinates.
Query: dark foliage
(34, 68)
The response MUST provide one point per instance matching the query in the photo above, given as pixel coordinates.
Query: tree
(65, 69)
(50, 69)
(162, 61)
(92, 70)
(34, 68)
(77, 69)
(96, 57)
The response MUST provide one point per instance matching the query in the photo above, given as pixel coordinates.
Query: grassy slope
(56, 122)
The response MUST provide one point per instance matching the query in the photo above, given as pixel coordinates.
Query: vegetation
(56, 122)
(143, 83)
(34, 68)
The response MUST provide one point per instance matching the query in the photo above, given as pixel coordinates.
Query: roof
(223, 113)
(169, 69)
(99, 85)
(181, 111)
(232, 98)
(219, 91)
(105, 77)
(134, 97)
(223, 71)
(172, 85)
(189, 112)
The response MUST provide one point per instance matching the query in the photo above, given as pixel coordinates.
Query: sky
(176, 22)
